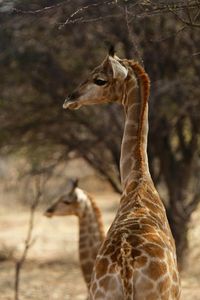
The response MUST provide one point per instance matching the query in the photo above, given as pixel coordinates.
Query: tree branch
(28, 241)
(190, 22)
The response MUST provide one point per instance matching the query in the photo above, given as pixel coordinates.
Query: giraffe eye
(100, 81)
(66, 202)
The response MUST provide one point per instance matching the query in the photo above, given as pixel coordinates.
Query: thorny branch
(136, 10)
(28, 241)
(38, 11)
(81, 10)
(133, 38)
(190, 22)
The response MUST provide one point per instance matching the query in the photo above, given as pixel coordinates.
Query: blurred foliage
(46, 49)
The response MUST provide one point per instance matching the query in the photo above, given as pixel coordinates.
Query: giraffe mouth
(71, 104)
(47, 214)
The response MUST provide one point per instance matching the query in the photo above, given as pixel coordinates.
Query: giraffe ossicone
(137, 260)
(91, 232)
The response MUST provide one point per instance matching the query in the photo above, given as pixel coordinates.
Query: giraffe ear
(72, 184)
(119, 71)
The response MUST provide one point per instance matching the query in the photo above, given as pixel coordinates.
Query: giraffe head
(71, 203)
(104, 84)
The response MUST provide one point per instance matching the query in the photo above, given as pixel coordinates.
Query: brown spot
(144, 284)
(147, 222)
(164, 285)
(127, 145)
(152, 296)
(112, 268)
(135, 240)
(94, 254)
(131, 186)
(94, 287)
(165, 296)
(104, 282)
(106, 243)
(175, 291)
(156, 270)
(91, 243)
(84, 254)
(115, 255)
(110, 249)
(87, 267)
(146, 228)
(165, 237)
(108, 283)
(82, 239)
(154, 238)
(140, 212)
(140, 262)
(135, 227)
(101, 267)
(112, 284)
(135, 253)
(152, 206)
(154, 250)
(99, 294)
(159, 219)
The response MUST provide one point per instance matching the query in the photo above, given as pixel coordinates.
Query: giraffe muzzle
(47, 214)
(71, 102)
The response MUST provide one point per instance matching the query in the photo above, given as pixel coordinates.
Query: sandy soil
(52, 267)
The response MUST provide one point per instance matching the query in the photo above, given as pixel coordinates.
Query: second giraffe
(77, 202)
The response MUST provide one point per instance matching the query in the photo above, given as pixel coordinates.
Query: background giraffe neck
(91, 235)
(134, 160)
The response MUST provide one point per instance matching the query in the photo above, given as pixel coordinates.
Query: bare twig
(188, 22)
(28, 241)
(38, 11)
(89, 20)
(71, 20)
(133, 39)
(185, 26)
(164, 38)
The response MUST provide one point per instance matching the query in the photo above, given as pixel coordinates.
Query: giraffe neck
(91, 235)
(134, 160)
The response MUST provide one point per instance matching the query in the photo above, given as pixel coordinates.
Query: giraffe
(91, 232)
(137, 260)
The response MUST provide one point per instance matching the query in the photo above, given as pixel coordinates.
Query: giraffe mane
(97, 214)
(144, 85)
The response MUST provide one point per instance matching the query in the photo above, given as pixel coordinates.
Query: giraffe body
(137, 260)
(138, 246)
(91, 233)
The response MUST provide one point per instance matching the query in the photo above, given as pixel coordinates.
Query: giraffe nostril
(73, 96)
(48, 212)
(72, 101)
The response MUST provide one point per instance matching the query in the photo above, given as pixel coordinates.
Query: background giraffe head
(104, 84)
(71, 203)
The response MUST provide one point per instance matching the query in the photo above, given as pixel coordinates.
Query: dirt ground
(52, 267)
